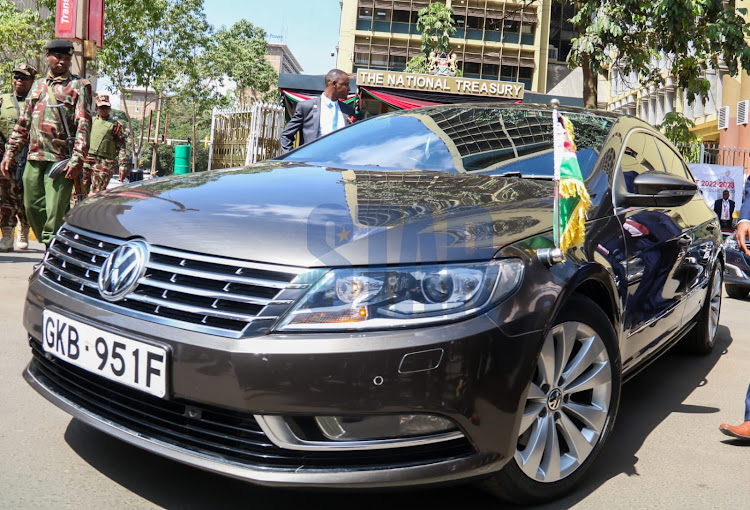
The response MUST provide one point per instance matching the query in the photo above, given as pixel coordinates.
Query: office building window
(561, 30)
(490, 71)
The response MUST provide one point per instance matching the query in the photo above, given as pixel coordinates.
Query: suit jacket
(717, 207)
(745, 210)
(307, 120)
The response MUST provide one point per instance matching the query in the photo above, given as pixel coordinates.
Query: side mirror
(660, 189)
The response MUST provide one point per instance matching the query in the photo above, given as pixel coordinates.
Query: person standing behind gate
(107, 143)
(56, 100)
(11, 187)
(320, 115)
(724, 208)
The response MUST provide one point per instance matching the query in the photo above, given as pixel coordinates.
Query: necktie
(335, 124)
(726, 210)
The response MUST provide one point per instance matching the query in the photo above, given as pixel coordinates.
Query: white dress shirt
(725, 210)
(328, 109)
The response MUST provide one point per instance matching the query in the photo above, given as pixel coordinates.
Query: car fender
(595, 282)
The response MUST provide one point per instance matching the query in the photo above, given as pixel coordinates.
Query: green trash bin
(182, 159)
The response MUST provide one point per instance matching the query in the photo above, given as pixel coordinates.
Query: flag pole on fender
(551, 256)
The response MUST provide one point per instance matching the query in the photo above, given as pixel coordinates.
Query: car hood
(312, 216)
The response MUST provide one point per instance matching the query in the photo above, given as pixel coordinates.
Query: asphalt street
(665, 452)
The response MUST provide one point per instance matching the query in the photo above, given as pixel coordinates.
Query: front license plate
(130, 362)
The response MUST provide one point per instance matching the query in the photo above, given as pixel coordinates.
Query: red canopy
(402, 103)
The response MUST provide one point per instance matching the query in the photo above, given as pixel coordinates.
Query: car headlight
(389, 297)
(730, 243)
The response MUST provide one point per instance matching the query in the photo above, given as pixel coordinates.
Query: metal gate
(240, 137)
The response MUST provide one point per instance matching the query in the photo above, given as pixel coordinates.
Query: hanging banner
(96, 22)
(714, 179)
(65, 20)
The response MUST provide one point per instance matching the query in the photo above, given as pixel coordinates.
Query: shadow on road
(646, 401)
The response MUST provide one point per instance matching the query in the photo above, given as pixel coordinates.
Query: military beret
(25, 69)
(60, 46)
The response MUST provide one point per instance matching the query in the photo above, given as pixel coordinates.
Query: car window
(639, 154)
(472, 139)
(672, 161)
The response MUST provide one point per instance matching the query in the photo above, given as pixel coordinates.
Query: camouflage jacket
(38, 125)
(108, 140)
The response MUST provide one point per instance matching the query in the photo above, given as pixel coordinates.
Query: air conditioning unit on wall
(743, 110)
(724, 117)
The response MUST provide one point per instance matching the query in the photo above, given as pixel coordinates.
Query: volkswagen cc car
(379, 307)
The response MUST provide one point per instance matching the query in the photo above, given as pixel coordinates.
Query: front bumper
(219, 386)
(737, 268)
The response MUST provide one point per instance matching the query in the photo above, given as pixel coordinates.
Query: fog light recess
(366, 428)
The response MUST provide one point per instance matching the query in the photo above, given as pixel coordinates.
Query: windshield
(484, 140)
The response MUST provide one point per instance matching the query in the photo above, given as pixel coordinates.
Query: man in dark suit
(322, 114)
(724, 208)
(742, 431)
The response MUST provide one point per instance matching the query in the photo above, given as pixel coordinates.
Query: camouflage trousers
(96, 174)
(11, 203)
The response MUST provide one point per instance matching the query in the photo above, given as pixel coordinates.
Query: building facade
(135, 101)
(513, 41)
(282, 59)
(721, 118)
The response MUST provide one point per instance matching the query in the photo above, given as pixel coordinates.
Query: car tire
(702, 338)
(736, 291)
(565, 424)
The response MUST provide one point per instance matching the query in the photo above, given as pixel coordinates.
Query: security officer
(56, 100)
(11, 188)
(107, 143)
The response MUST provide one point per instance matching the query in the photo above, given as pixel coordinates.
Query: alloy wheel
(567, 404)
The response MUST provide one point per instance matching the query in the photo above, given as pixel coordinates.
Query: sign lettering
(448, 84)
(65, 21)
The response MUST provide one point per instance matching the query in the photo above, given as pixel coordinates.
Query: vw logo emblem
(554, 399)
(122, 270)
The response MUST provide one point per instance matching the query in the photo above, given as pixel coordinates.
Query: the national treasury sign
(446, 84)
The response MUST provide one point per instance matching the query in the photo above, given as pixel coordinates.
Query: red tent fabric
(402, 103)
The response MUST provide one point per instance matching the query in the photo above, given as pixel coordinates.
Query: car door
(700, 224)
(655, 243)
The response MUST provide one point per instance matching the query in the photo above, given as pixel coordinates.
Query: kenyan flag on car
(572, 200)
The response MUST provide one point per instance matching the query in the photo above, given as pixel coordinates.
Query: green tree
(239, 53)
(678, 129)
(629, 35)
(437, 25)
(142, 42)
(198, 81)
(24, 35)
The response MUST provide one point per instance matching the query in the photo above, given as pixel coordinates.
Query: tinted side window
(672, 161)
(639, 155)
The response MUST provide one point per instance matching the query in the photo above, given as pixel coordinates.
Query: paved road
(665, 451)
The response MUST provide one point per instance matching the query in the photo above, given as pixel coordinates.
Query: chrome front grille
(221, 296)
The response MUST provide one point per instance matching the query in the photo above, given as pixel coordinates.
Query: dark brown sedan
(372, 308)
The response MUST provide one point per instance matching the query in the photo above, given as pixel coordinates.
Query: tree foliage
(24, 35)
(689, 36)
(146, 44)
(678, 129)
(437, 25)
(239, 53)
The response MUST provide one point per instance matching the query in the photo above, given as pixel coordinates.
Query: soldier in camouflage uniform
(40, 126)
(107, 143)
(11, 188)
